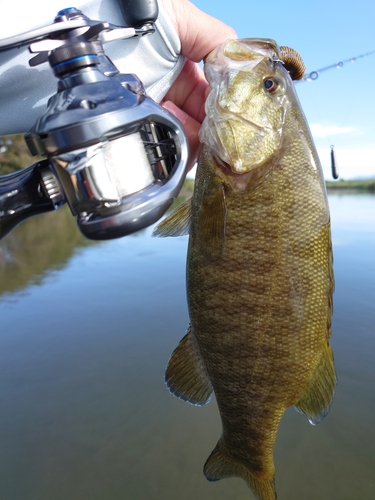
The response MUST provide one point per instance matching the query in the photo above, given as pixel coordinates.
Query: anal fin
(186, 376)
(316, 401)
(220, 465)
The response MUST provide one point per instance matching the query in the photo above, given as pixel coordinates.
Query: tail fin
(220, 465)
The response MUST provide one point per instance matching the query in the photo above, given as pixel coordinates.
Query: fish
(259, 265)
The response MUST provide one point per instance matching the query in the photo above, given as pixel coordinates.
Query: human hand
(199, 34)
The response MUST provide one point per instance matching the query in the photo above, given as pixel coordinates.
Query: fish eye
(271, 84)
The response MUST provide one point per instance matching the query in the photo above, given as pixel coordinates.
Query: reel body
(113, 154)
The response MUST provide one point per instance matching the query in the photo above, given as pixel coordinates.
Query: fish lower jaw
(227, 169)
(239, 181)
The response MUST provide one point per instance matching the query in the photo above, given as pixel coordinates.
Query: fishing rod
(314, 75)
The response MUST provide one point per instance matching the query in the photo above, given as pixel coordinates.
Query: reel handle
(22, 196)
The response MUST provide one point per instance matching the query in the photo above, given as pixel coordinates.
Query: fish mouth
(253, 177)
(227, 169)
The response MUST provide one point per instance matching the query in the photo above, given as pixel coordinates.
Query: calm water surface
(86, 332)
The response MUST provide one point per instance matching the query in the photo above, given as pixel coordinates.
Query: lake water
(86, 332)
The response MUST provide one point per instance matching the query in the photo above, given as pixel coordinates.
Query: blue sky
(340, 104)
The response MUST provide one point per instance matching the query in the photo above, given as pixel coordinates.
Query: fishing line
(334, 168)
(313, 75)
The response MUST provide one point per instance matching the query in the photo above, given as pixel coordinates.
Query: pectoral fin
(316, 401)
(220, 465)
(186, 376)
(176, 224)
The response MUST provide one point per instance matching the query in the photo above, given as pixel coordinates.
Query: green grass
(16, 156)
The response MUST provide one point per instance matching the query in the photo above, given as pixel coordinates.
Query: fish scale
(260, 310)
(259, 269)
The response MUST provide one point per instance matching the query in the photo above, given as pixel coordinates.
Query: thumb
(199, 32)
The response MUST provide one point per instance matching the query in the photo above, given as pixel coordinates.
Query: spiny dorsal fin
(186, 376)
(220, 465)
(316, 401)
(176, 224)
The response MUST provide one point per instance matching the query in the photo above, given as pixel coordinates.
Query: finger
(199, 32)
(189, 91)
(191, 127)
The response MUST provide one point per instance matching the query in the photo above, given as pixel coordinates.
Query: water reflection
(85, 337)
(44, 242)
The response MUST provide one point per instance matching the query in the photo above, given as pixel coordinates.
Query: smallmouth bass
(259, 265)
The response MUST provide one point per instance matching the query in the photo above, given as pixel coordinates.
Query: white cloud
(319, 130)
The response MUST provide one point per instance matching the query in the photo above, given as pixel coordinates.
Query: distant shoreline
(367, 185)
(358, 185)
